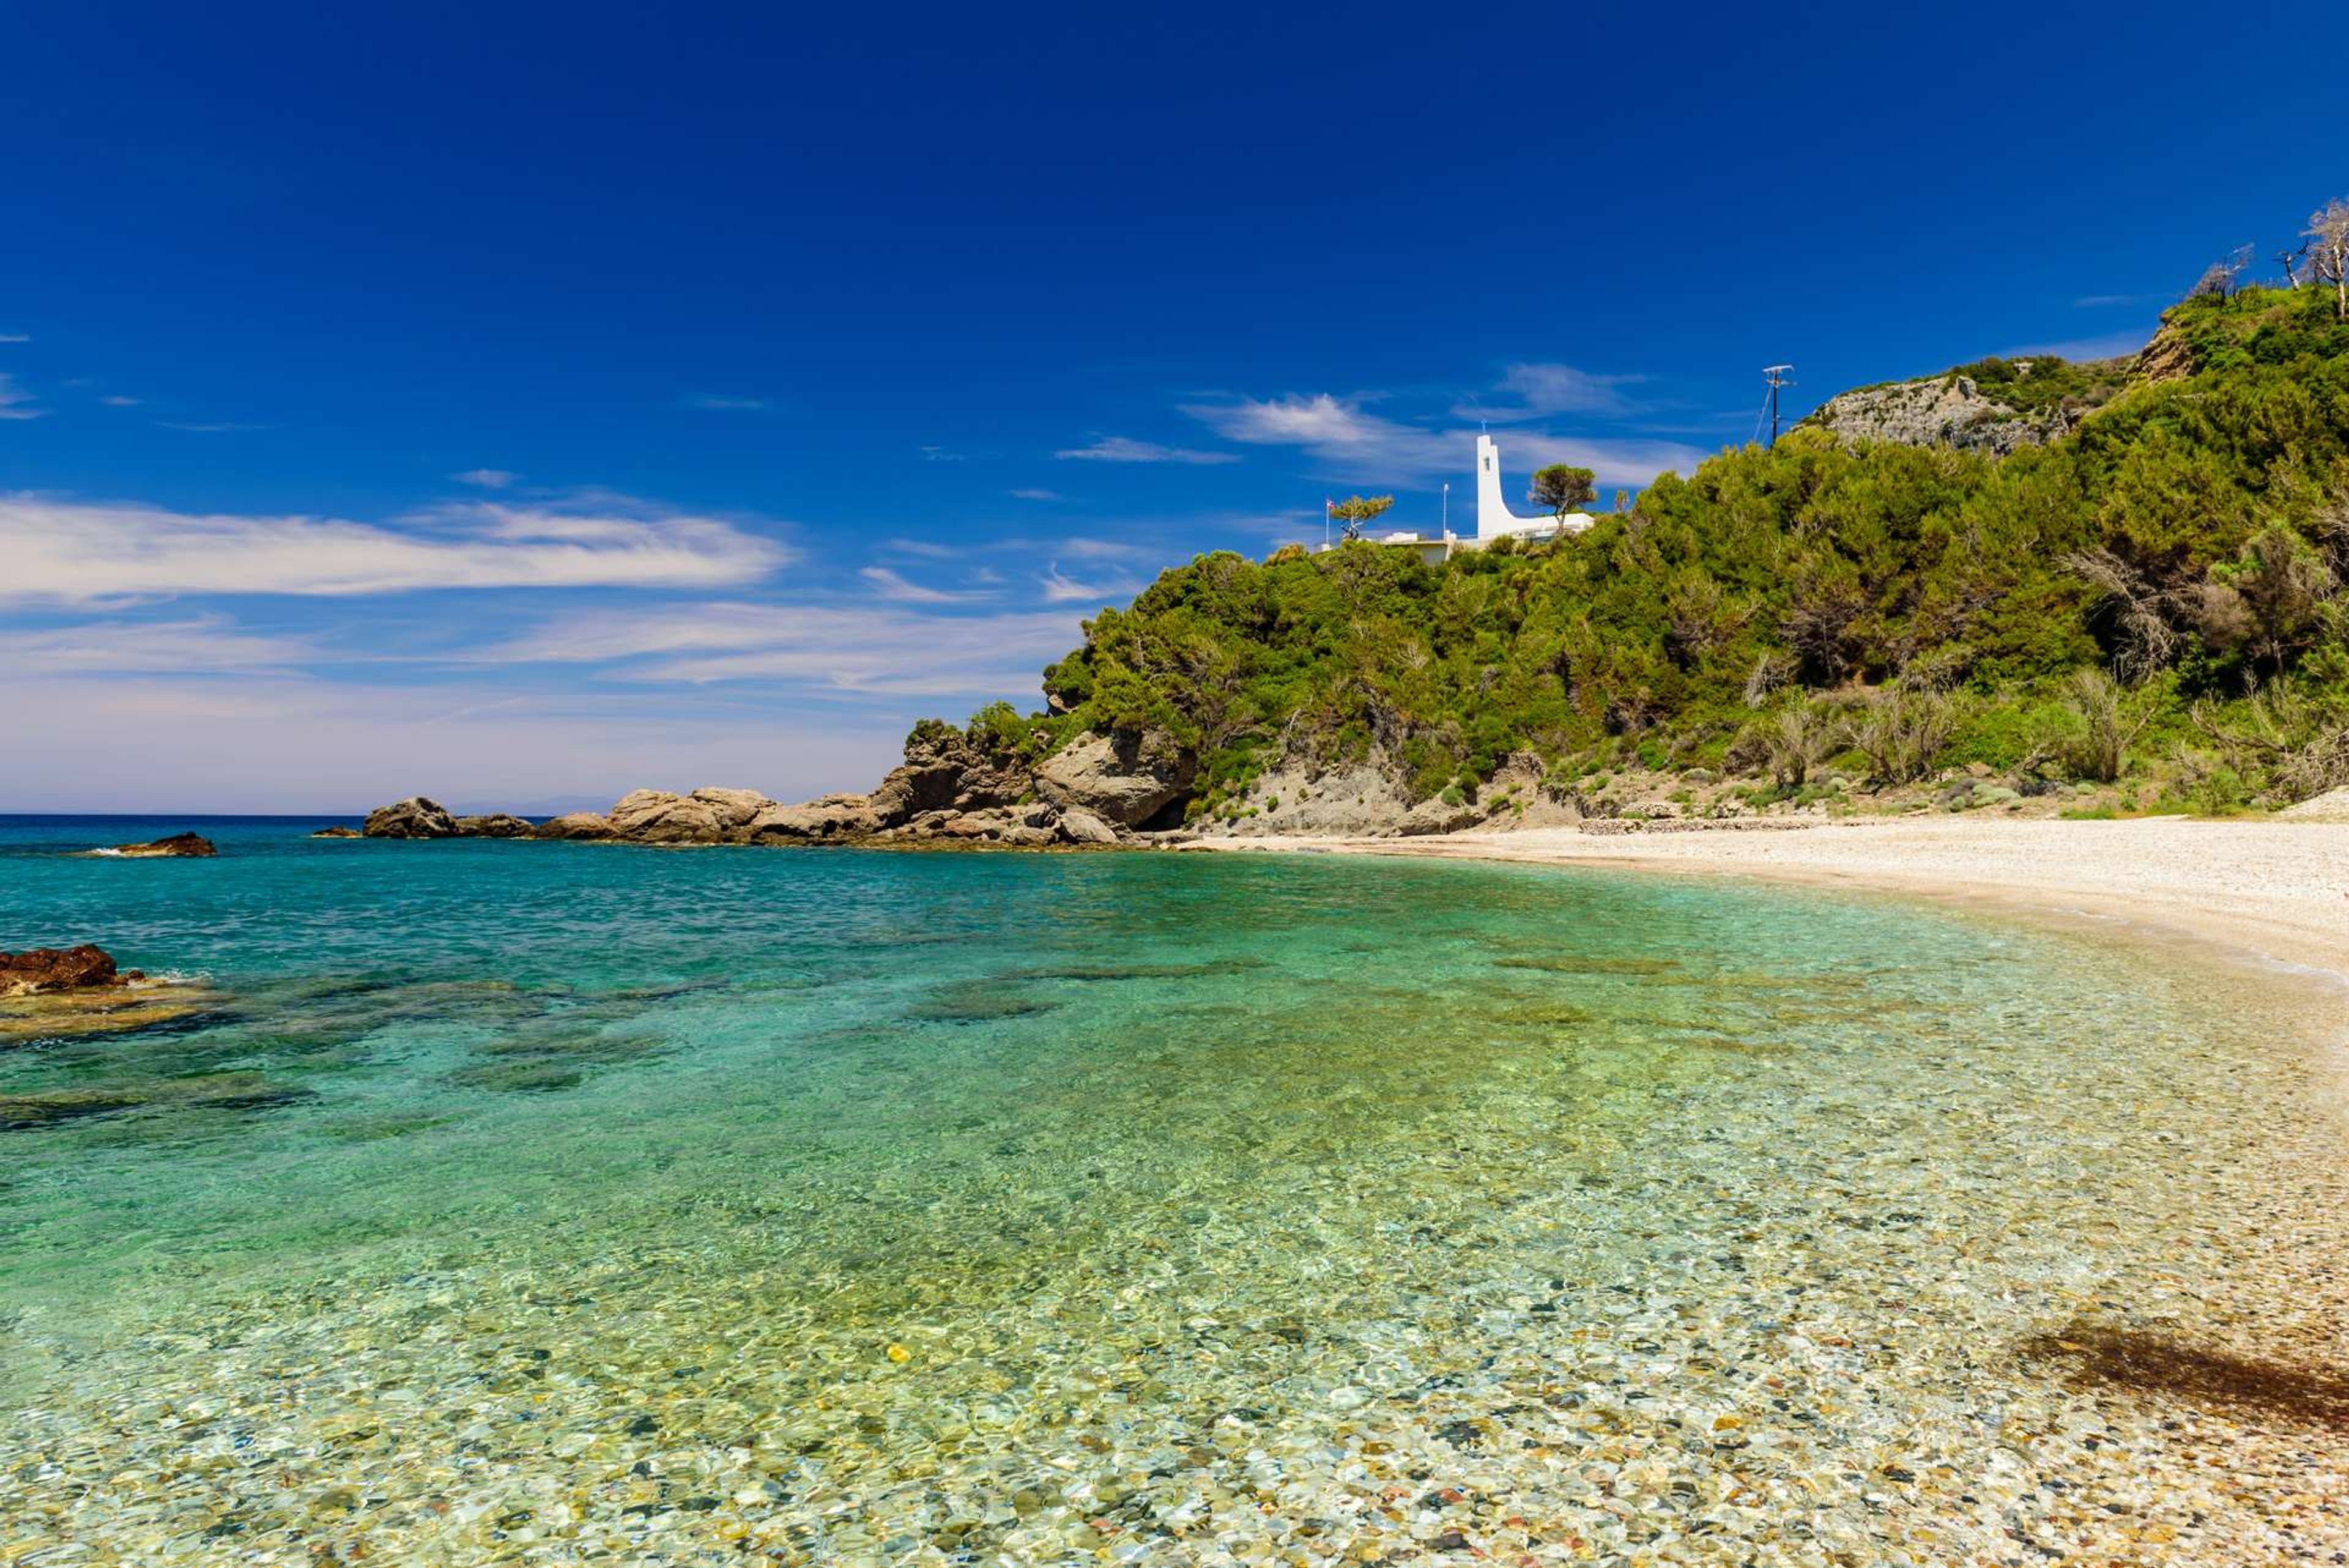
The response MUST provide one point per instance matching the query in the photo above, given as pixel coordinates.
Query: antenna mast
(1776, 376)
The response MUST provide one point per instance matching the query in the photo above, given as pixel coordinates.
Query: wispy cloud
(15, 403)
(1125, 449)
(117, 400)
(928, 549)
(1544, 389)
(2100, 302)
(202, 429)
(1034, 494)
(202, 642)
(897, 587)
(15, 337)
(1360, 446)
(93, 552)
(862, 648)
(1064, 590)
(486, 479)
(2105, 346)
(718, 403)
(942, 455)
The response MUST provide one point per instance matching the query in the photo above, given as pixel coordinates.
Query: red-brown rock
(58, 969)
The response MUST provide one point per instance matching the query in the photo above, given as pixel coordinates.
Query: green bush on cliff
(2191, 535)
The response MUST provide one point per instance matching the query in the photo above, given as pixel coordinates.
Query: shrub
(2095, 742)
(1900, 733)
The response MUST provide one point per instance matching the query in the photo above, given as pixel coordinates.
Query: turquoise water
(554, 1202)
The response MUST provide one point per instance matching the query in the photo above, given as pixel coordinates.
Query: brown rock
(44, 969)
(733, 808)
(944, 772)
(414, 818)
(494, 825)
(190, 845)
(661, 817)
(1080, 826)
(574, 825)
(337, 832)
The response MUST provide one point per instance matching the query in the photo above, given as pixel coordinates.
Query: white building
(1494, 518)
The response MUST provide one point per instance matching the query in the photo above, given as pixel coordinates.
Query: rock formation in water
(190, 845)
(41, 970)
(414, 818)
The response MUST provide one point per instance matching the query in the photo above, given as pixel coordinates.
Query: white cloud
(1033, 494)
(942, 454)
(116, 400)
(1541, 389)
(86, 551)
(15, 403)
(2097, 302)
(929, 550)
(720, 404)
(865, 649)
(903, 590)
(197, 643)
(1064, 590)
(15, 337)
(198, 429)
(1361, 447)
(1086, 549)
(1125, 449)
(486, 479)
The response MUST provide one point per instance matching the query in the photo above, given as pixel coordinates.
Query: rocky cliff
(1948, 410)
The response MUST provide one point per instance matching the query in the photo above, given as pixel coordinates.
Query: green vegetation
(2042, 383)
(1890, 610)
(1561, 488)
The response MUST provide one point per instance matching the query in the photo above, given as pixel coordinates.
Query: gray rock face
(414, 818)
(1945, 411)
(1124, 779)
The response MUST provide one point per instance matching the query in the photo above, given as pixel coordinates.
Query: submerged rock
(190, 845)
(338, 831)
(417, 817)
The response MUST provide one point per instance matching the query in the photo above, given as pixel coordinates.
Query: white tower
(1494, 518)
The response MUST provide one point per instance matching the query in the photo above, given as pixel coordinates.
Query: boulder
(831, 818)
(414, 818)
(733, 808)
(1433, 816)
(192, 845)
(494, 825)
(338, 832)
(1123, 778)
(44, 969)
(574, 825)
(659, 817)
(1080, 826)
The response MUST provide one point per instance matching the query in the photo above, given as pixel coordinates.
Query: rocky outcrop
(574, 825)
(414, 818)
(194, 846)
(494, 825)
(1944, 411)
(1126, 777)
(41, 970)
(951, 789)
(338, 831)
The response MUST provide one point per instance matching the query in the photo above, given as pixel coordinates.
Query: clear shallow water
(543, 1203)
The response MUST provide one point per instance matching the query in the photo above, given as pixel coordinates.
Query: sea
(479, 1202)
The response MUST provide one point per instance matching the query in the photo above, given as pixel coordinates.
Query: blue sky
(522, 405)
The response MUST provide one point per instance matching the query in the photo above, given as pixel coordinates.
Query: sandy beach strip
(2266, 892)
